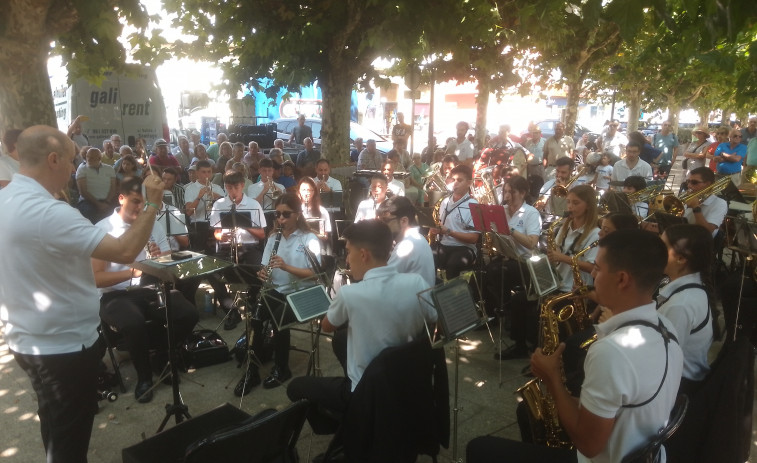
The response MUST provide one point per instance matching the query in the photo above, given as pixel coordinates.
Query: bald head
(37, 142)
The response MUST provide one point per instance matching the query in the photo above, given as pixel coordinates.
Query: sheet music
(457, 310)
(309, 303)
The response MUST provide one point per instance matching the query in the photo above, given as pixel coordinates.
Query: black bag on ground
(204, 348)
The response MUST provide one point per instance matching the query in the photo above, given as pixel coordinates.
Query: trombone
(675, 205)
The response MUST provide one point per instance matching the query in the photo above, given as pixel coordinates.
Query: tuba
(486, 193)
(675, 206)
(435, 182)
(542, 411)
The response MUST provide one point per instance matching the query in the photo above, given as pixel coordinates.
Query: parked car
(284, 127)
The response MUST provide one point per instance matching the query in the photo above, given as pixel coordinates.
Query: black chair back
(650, 452)
(266, 437)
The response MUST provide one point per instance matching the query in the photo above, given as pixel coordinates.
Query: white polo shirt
(292, 251)
(625, 367)
(383, 311)
(565, 271)
(202, 210)
(456, 216)
(366, 210)
(526, 220)
(48, 300)
(686, 310)
(714, 210)
(247, 205)
(621, 171)
(115, 227)
(256, 188)
(396, 187)
(332, 183)
(98, 180)
(413, 255)
(325, 216)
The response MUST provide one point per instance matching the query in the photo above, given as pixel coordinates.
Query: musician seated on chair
(555, 205)
(288, 266)
(709, 213)
(266, 190)
(631, 185)
(199, 196)
(633, 370)
(124, 304)
(503, 274)
(411, 253)
(382, 310)
(457, 248)
(366, 210)
(249, 247)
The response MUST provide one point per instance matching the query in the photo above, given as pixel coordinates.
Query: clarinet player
(287, 265)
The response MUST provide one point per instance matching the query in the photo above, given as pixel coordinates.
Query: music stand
(489, 218)
(169, 272)
(457, 314)
(332, 200)
(281, 312)
(172, 222)
(310, 303)
(317, 226)
(543, 279)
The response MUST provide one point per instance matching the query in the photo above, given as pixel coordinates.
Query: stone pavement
(486, 400)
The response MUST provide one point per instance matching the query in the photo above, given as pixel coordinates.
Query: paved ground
(486, 400)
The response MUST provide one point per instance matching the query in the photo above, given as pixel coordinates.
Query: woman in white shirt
(686, 300)
(312, 210)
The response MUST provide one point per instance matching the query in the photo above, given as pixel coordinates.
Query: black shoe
(143, 391)
(250, 379)
(232, 319)
(513, 352)
(277, 377)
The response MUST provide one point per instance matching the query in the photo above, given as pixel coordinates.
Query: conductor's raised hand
(154, 187)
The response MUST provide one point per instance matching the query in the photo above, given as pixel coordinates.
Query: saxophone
(579, 320)
(542, 411)
(268, 275)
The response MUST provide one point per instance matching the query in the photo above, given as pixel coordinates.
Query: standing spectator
(721, 136)
(301, 132)
(224, 155)
(54, 340)
(604, 173)
(667, 142)
(115, 139)
(729, 157)
(751, 160)
(97, 187)
(612, 141)
(213, 149)
(750, 131)
(535, 145)
(696, 151)
(75, 132)
(401, 132)
(464, 150)
(418, 173)
(196, 139)
(559, 145)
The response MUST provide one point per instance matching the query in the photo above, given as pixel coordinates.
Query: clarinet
(268, 274)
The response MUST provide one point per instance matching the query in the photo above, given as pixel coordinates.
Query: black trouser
(502, 275)
(524, 319)
(128, 311)
(66, 388)
(454, 259)
(328, 397)
(277, 302)
(489, 449)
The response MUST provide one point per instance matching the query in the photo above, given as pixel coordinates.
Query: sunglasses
(286, 214)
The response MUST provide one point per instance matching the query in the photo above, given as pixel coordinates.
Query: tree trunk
(704, 116)
(634, 110)
(573, 82)
(25, 95)
(725, 117)
(335, 131)
(482, 104)
(674, 109)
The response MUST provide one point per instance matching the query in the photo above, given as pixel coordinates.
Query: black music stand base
(177, 409)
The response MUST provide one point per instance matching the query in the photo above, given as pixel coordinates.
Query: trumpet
(559, 191)
(675, 205)
(272, 190)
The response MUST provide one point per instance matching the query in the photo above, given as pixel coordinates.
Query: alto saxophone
(542, 411)
(579, 320)
(268, 275)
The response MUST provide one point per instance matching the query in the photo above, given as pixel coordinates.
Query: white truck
(130, 105)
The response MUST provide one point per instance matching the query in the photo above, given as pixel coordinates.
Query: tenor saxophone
(542, 411)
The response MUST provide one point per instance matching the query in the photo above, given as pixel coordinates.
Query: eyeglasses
(695, 182)
(286, 214)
